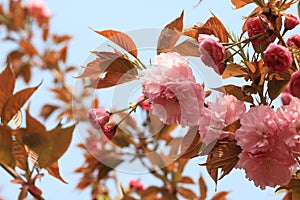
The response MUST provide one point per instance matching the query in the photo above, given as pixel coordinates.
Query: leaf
(188, 47)
(293, 188)
(277, 83)
(61, 38)
(7, 76)
(121, 39)
(203, 188)
(121, 139)
(234, 70)
(47, 110)
(111, 79)
(48, 145)
(225, 156)
(213, 26)
(15, 102)
(53, 170)
(191, 144)
(220, 196)
(186, 193)
(7, 89)
(170, 34)
(126, 196)
(240, 3)
(231, 128)
(62, 54)
(27, 47)
(235, 91)
(6, 147)
(150, 193)
(187, 180)
(298, 9)
(19, 150)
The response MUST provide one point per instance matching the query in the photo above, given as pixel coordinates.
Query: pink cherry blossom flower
(173, 91)
(202, 37)
(136, 185)
(289, 123)
(294, 41)
(226, 110)
(291, 22)
(212, 54)
(265, 156)
(294, 85)
(39, 6)
(256, 26)
(146, 104)
(277, 58)
(98, 117)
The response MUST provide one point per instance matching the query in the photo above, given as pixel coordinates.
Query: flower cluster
(38, 8)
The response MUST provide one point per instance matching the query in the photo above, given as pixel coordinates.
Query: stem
(118, 184)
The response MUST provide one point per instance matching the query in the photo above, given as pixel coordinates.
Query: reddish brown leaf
(61, 38)
(15, 102)
(7, 76)
(19, 150)
(224, 155)
(235, 91)
(220, 196)
(47, 110)
(6, 147)
(28, 48)
(187, 180)
(240, 3)
(186, 193)
(234, 70)
(62, 94)
(191, 143)
(188, 47)
(277, 83)
(49, 146)
(213, 26)
(231, 128)
(62, 53)
(53, 170)
(111, 79)
(170, 34)
(121, 39)
(150, 193)
(203, 188)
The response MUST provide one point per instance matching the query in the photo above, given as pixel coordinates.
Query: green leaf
(6, 148)
(235, 91)
(15, 102)
(121, 39)
(170, 34)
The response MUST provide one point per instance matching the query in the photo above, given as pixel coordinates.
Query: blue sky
(74, 18)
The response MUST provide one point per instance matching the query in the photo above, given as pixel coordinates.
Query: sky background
(74, 18)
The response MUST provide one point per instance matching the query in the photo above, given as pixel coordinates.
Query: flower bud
(291, 22)
(98, 117)
(295, 84)
(294, 41)
(277, 58)
(109, 131)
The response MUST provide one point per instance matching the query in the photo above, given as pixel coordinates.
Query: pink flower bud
(109, 131)
(295, 84)
(294, 41)
(256, 26)
(291, 22)
(136, 185)
(38, 7)
(202, 37)
(212, 54)
(98, 117)
(277, 58)
(286, 98)
(146, 104)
